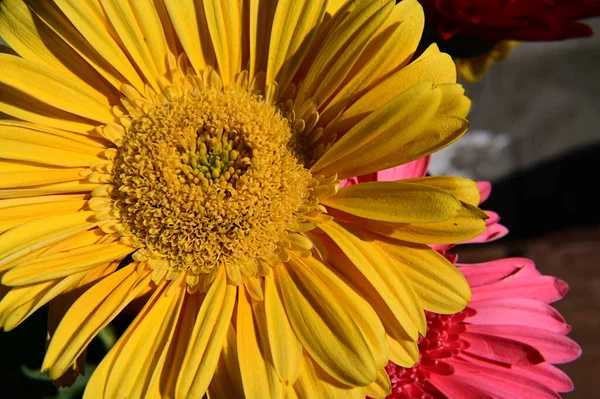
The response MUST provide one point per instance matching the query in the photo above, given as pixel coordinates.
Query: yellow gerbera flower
(206, 139)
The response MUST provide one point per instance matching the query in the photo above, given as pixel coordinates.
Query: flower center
(208, 179)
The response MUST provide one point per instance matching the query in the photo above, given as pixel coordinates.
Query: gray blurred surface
(544, 97)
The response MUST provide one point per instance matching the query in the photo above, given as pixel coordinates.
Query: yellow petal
(20, 151)
(342, 48)
(227, 381)
(64, 263)
(165, 381)
(54, 89)
(36, 234)
(261, 14)
(294, 29)
(7, 203)
(154, 32)
(90, 20)
(224, 20)
(380, 134)
(431, 66)
(437, 282)
(47, 176)
(19, 304)
(403, 348)
(259, 376)
(16, 215)
(79, 186)
(208, 337)
(55, 20)
(285, 347)
(463, 189)
(313, 380)
(389, 49)
(18, 105)
(396, 202)
(403, 352)
(193, 36)
(138, 36)
(467, 224)
(382, 274)
(440, 132)
(142, 348)
(381, 387)
(343, 336)
(36, 42)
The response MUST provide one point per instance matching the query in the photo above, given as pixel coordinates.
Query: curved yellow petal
(382, 133)
(396, 202)
(143, 347)
(208, 337)
(54, 89)
(28, 36)
(285, 347)
(36, 234)
(381, 387)
(431, 66)
(389, 49)
(342, 334)
(19, 304)
(463, 189)
(64, 263)
(341, 49)
(90, 20)
(439, 285)
(467, 224)
(88, 315)
(382, 274)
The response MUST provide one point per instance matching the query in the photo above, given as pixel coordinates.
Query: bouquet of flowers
(243, 187)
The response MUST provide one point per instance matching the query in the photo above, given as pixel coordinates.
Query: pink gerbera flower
(503, 345)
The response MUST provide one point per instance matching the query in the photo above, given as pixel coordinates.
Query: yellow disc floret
(208, 179)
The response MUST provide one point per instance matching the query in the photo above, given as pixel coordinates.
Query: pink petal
(518, 311)
(493, 218)
(502, 383)
(491, 272)
(417, 168)
(500, 349)
(541, 288)
(492, 233)
(556, 348)
(548, 375)
(485, 188)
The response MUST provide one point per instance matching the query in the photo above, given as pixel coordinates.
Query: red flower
(533, 20)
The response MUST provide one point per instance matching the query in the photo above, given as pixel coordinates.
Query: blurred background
(535, 134)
